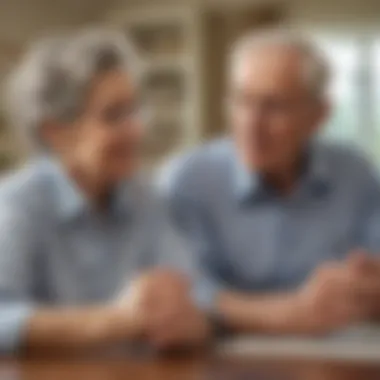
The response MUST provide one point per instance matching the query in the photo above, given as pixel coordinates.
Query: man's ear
(321, 114)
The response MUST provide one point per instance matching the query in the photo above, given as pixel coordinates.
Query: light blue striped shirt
(55, 250)
(249, 238)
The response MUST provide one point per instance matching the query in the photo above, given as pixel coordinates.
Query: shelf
(164, 88)
(168, 114)
(153, 16)
(162, 40)
(164, 63)
(167, 41)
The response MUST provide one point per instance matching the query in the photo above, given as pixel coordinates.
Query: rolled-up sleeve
(16, 246)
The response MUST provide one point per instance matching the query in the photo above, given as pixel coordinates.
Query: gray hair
(317, 71)
(52, 81)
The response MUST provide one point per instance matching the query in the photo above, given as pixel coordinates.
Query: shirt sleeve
(190, 232)
(15, 281)
(368, 219)
(174, 249)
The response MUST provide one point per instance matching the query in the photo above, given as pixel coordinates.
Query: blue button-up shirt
(55, 250)
(250, 238)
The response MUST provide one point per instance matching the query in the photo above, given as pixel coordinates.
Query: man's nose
(256, 118)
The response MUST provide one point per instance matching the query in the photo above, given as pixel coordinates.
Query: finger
(358, 260)
(172, 330)
(165, 319)
(370, 286)
(352, 286)
(363, 262)
(375, 264)
(167, 336)
(355, 311)
(172, 320)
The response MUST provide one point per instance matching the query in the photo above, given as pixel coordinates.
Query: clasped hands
(164, 316)
(337, 294)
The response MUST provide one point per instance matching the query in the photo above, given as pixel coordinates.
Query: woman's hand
(161, 301)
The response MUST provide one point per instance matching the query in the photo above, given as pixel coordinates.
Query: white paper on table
(359, 343)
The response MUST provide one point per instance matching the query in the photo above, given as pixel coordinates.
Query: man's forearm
(269, 314)
(78, 328)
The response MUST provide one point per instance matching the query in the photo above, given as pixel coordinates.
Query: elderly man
(78, 225)
(277, 217)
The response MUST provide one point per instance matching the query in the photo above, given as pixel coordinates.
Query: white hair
(317, 72)
(53, 79)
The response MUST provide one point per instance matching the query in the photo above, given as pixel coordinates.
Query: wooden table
(188, 367)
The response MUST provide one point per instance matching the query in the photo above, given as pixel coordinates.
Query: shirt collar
(246, 184)
(316, 178)
(71, 202)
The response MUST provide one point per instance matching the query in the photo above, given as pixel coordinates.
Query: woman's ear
(54, 135)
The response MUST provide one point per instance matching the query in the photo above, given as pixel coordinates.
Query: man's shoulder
(201, 166)
(349, 168)
(25, 190)
(345, 159)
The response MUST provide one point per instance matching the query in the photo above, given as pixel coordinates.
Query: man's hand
(156, 289)
(365, 266)
(160, 299)
(337, 295)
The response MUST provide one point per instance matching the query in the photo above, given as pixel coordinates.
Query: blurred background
(185, 44)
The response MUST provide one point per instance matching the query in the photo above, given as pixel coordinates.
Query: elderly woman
(77, 223)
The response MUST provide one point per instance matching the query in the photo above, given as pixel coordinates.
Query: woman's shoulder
(24, 190)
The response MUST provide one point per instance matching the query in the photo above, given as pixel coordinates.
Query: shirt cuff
(13, 320)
